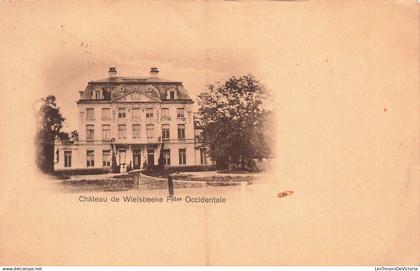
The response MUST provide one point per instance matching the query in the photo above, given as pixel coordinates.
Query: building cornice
(92, 101)
(145, 82)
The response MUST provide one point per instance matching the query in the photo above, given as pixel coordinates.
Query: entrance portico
(136, 155)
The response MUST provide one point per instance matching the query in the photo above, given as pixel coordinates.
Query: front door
(136, 159)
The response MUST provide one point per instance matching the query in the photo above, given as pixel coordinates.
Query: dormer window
(97, 94)
(172, 95)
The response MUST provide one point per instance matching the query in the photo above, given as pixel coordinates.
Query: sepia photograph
(209, 133)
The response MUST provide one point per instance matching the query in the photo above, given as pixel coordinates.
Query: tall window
(136, 130)
(181, 131)
(165, 113)
(180, 113)
(97, 94)
(150, 131)
(106, 132)
(67, 158)
(90, 158)
(165, 131)
(172, 95)
(135, 113)
(150, 157)
(121, 131)
(90, 132)
(90, 114)
(167, 157)
(121, 113)
(106, 158)
(182, 156)
(106, 114)
(149, 112)
(203, 158)
(122, 157)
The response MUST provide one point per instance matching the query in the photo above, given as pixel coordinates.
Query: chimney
(112, 72)
(154, 72)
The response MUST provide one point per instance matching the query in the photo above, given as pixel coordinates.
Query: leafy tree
(50, 123)
(233, 118)
(74, 136)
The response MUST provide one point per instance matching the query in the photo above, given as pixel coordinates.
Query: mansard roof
(114, 87)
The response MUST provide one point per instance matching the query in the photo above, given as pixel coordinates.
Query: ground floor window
(167, 157)
(136, 159)
(203, 159)
(67, 158)
(121, 157)
(150, 157)
(182, 157)
(106, 158)
(90, 158)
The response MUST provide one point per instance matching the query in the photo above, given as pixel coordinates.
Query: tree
(232, 116)
(50, 123)
(74, 136)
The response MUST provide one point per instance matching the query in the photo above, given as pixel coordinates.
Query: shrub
(156, 170)
(82, 171)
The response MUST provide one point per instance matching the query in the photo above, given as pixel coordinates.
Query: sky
(293, 48)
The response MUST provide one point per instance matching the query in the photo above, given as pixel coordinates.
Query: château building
(136, 120)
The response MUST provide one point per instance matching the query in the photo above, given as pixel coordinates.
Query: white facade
(133, 119)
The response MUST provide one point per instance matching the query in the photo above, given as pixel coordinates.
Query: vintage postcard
(139, 133)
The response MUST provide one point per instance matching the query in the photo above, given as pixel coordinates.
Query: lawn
(124, 182)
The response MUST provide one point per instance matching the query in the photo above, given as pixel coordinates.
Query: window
(67, 158)
(182, 157)
(106, 114)
(136, 113)
(180, 112)
(90, 158)
(106, 132)
(106, 158)
(121, 113)
(136, 130)
(172, 95)
(122, 157)
(149, 112)
(97, 94)
(121, 131)
(181, 131)
(199, 138)
(165, 113)
(167, 157)
(203, 158)
(136, 158)
(150, 131)
(165, 131)
(90, 114)
(150, 157)
(90, 132)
